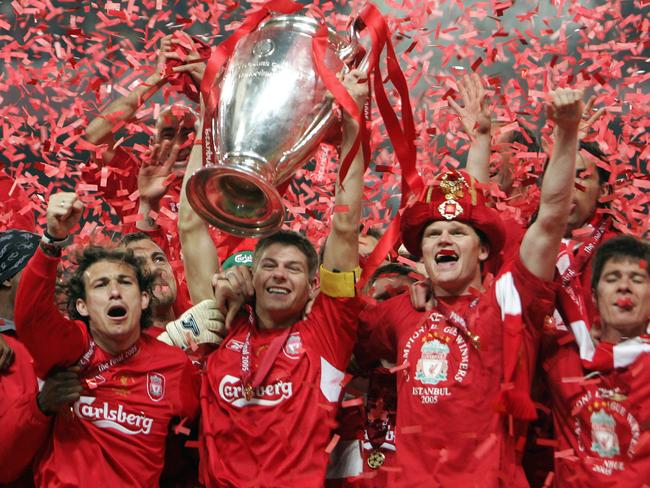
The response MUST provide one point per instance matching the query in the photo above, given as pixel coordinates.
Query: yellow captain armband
(339, 284)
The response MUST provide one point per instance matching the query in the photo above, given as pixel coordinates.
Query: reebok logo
(232, 391)
(117, 419)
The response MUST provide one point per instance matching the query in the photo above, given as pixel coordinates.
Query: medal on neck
(378, 418)
(251, 380)
(376, 429)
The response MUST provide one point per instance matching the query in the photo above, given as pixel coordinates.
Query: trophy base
(236, 201)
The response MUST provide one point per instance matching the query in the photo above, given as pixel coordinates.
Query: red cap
(452, 196)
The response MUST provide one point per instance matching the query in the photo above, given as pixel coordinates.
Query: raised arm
(199, 250)
(102, 128)
(342, 247)
(541, 242)
(154, 177)
(50, 338)
(475, 117)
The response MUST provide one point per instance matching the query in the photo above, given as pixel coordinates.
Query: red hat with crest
(452, 197)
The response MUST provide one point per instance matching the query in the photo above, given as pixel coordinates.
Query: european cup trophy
(273, 111)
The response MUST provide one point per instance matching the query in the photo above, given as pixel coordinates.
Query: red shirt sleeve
(23, 427)
(332, 327)
(376, 339)
(51, 339)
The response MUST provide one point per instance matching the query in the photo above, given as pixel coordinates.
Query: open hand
(474, 114)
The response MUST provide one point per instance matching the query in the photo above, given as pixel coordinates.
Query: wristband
(53, 246)
(50, 239)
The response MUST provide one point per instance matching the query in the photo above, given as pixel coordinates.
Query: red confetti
(332, 444)
(354, 402)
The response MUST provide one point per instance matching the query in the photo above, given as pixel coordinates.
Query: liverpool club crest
(432, 366)
(604, 440)
(155, 386)
(293, 346)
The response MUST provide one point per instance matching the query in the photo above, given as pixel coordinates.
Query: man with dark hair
(602, 412)
(176, 322)
(271, 390)
(464, 360)
(133, 384)
(390, 280)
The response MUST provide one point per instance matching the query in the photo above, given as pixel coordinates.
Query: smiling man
(133, 384)
(271, 391)
(464, 358)
(602, 413)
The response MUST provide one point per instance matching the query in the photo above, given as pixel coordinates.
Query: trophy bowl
(273, 111)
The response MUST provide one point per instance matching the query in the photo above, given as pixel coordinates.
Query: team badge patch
(293, 346)
(234, 345)
(432, 366)
(604, 440)
(155, 386)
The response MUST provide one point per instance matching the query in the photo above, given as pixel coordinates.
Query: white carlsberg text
(106, 417)
(232, 391)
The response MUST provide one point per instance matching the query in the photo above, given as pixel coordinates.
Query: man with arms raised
(461, 359)
(134, 384)
(601, 413)
(271, 390)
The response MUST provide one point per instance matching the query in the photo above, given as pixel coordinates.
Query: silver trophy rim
(198, 197)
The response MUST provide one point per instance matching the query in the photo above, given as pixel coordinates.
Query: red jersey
(114, 435)
(602, 422)
(23, 427)
(279, 436)
(448, 386)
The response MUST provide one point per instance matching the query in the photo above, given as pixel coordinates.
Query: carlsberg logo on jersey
(232, 391)
(105, 417)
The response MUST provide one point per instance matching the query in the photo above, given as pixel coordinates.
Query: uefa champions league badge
(376, 459)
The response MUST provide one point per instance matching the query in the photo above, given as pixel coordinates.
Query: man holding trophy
(271, 390)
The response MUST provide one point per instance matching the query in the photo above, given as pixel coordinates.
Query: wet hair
(390, 269)
(619, 248)
(134, 237)
(289, 238)
(74, 287)
(594, 149)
